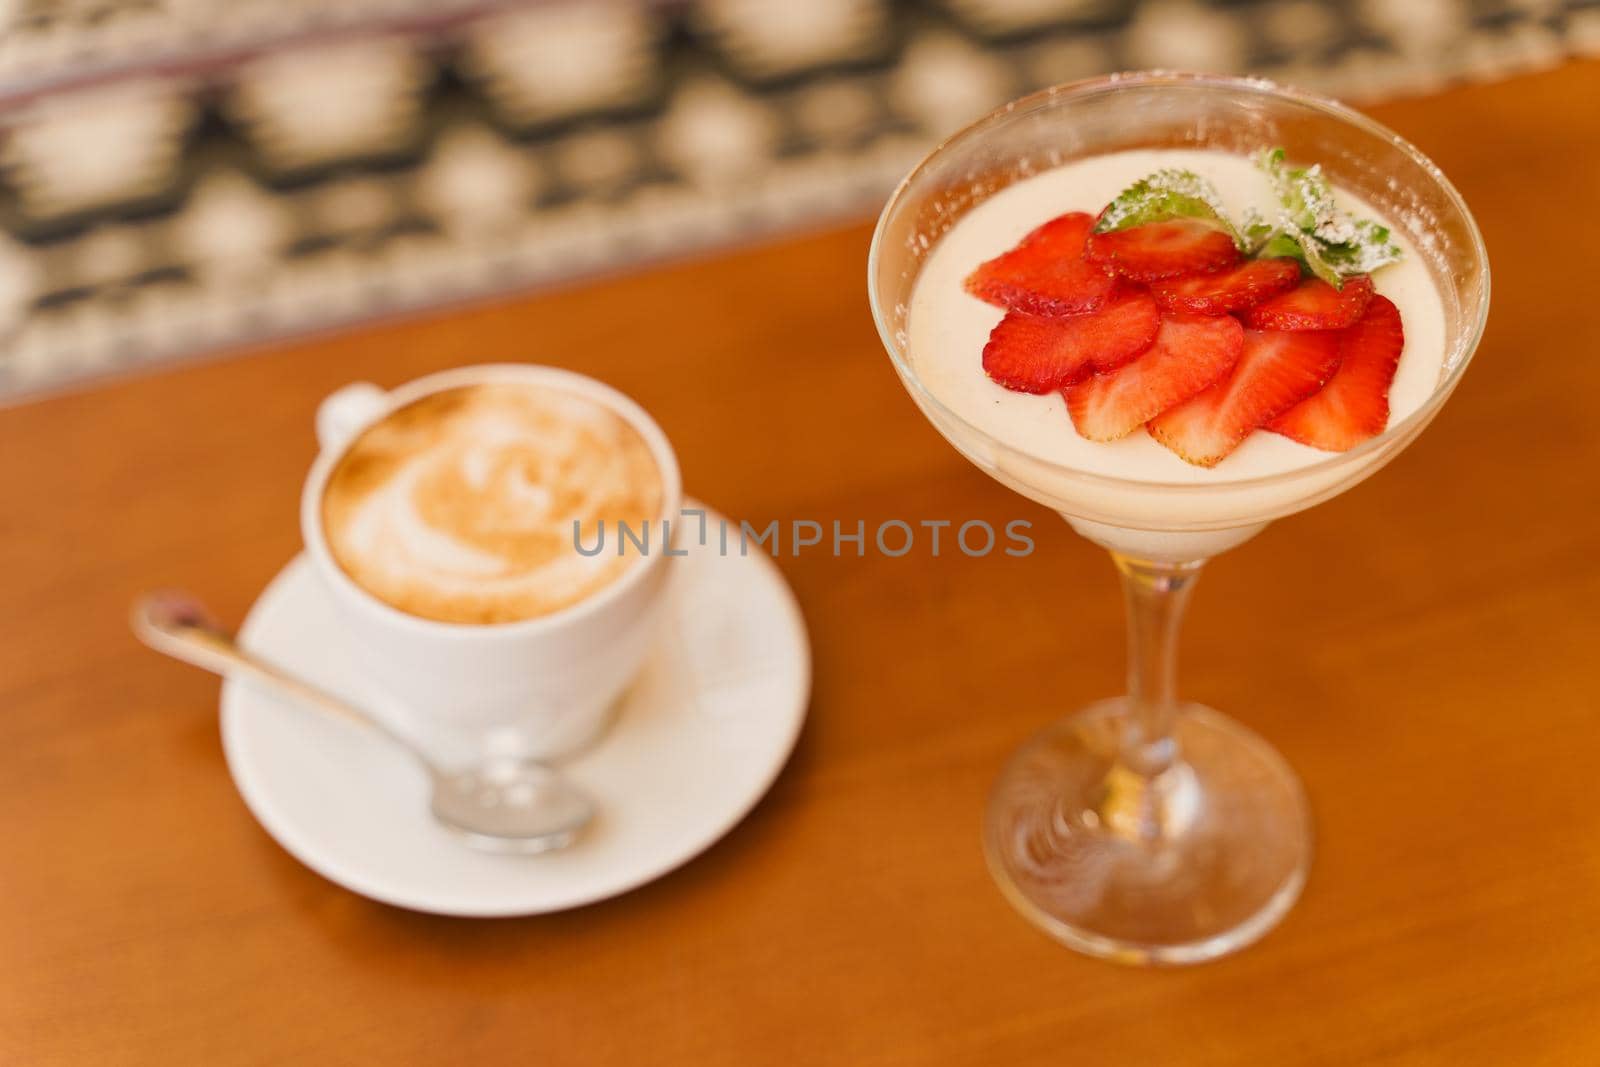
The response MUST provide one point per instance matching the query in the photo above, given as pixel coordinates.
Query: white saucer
(696, 742)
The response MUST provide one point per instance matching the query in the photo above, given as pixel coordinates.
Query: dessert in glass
(1172, 308)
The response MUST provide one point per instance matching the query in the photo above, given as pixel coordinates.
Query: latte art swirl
(460, 507)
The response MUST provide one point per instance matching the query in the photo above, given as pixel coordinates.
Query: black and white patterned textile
(185, 175)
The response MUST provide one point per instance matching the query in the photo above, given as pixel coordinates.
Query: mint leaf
(1258, 232)
(1280, 244)
(1166, 194)
(1331, 243)
(1314, 255)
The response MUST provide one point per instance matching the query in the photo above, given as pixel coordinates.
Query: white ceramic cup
(539, 687)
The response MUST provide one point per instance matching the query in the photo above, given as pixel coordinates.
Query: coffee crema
(459, 507)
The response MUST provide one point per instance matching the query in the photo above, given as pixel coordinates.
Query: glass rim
(1103, 83)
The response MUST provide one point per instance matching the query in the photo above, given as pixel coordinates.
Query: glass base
(1192, 864)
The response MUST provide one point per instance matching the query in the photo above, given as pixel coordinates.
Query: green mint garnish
(1309, 225)
(1312, 228)
(1166, 194)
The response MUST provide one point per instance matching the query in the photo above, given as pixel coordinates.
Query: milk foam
(460, 506)
(947, 327)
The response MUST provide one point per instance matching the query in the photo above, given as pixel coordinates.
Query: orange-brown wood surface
(1423, 649)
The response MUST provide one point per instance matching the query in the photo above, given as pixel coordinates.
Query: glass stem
(1156, 595)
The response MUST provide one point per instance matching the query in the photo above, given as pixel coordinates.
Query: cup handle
(345, 411)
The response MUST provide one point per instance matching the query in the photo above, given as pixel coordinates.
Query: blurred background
(179, 176)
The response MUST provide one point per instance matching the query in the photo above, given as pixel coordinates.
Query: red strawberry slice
(1227, 291)
(1035, 354)
(1354, 405)
(1313, 305)
(1276, 371)
(1045, 274)
(1188, 354)
(1157, 250)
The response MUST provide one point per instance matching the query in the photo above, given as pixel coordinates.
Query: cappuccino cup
(445, 518)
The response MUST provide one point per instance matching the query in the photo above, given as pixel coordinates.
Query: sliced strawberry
(1226, 291)
(1276, 371)
(1188, 354)
(1035, 353)
(1313, 305)
(1157, 250)
(1354, 405)
(1045, 274)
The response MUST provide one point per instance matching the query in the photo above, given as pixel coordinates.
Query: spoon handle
(178, 625)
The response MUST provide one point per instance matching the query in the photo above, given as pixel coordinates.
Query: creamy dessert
(1161, 319)
(949, 327)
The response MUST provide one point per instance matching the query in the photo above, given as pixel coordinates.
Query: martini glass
(1141, 828)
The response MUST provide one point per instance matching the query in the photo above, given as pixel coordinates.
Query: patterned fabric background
(184, 175)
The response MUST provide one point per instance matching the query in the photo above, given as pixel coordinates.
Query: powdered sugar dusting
(1167, 181)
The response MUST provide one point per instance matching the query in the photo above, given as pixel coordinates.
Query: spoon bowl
(509, 805)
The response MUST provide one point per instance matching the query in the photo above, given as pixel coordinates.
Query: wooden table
(1423, 649)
